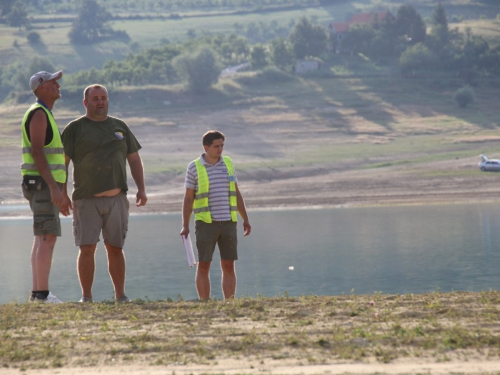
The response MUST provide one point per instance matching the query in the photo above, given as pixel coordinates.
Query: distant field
(147, 33)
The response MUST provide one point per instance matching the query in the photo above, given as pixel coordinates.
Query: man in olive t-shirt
(100, 147)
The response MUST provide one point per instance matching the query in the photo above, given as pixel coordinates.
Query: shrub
(464, 95)
(415, 58)
(121, 35)
(199, 69)
(33, 37)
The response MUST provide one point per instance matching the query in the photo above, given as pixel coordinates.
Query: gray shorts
(222, 233)
(96, 214)
(45, 213)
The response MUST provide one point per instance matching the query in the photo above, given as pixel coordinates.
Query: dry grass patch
(308, 329)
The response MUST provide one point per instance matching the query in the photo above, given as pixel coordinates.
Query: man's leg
(203, 280)
(228, 280)
(41, 260)
(86, 269)
(116, 268)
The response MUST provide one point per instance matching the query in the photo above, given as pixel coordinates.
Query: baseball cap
(38, 78)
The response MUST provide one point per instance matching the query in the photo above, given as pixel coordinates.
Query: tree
(18, 15)
(199, 69)
(307, 39)
(234, 49)
(22, 74)
(410, 25)
(258, 56)
(440, 30)
(41, 63)
(6, 6)
(464, 96)
(491, 60)
(359, 38)
(280, 53)
(90, 24)
(382, 49)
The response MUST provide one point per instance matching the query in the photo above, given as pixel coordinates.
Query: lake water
(391, 250)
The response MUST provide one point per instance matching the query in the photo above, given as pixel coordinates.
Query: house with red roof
(371, 18)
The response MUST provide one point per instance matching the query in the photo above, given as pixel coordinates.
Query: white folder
(188, 246)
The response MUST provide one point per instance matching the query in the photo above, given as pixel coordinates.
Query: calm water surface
(332, 251)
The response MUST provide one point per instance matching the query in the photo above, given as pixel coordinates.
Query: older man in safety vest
(43, 173)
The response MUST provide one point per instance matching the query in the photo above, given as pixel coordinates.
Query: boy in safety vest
(212, 194)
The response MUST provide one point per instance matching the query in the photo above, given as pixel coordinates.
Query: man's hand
(247, 228)
(141, 199)
(56, 195)
(65, 206)
(185, 231)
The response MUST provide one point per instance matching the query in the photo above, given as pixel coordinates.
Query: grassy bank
(434, 327)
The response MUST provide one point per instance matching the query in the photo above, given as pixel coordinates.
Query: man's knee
(87, 250)
(113, 250)
(227, 266)
(203, 267)
(47, 239)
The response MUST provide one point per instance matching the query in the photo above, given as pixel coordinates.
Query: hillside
(356, 133)
(306, 141)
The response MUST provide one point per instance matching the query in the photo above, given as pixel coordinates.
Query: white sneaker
(50, 299)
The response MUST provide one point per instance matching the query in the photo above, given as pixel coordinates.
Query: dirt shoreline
(334, 190)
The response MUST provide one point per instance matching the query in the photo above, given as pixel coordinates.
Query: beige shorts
(96, 214)
(222, 233)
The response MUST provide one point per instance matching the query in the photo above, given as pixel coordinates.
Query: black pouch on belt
(33, 182)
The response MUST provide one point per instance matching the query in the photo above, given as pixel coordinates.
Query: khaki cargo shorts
(96, 214)
(45, 213)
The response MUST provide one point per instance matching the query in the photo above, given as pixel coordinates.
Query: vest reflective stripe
(27, 150)
(201, 209)
(53, 151)
(52, 167)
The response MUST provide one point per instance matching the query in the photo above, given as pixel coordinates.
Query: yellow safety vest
(201, 209)
(53, 151)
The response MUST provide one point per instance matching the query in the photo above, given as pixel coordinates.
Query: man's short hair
(94, 86)
(211, 136)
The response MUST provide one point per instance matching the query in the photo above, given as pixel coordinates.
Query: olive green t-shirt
(98, 150)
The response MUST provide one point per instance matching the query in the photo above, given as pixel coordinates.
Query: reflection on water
(332, 251)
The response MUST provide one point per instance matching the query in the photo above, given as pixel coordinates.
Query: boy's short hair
(211, 136)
